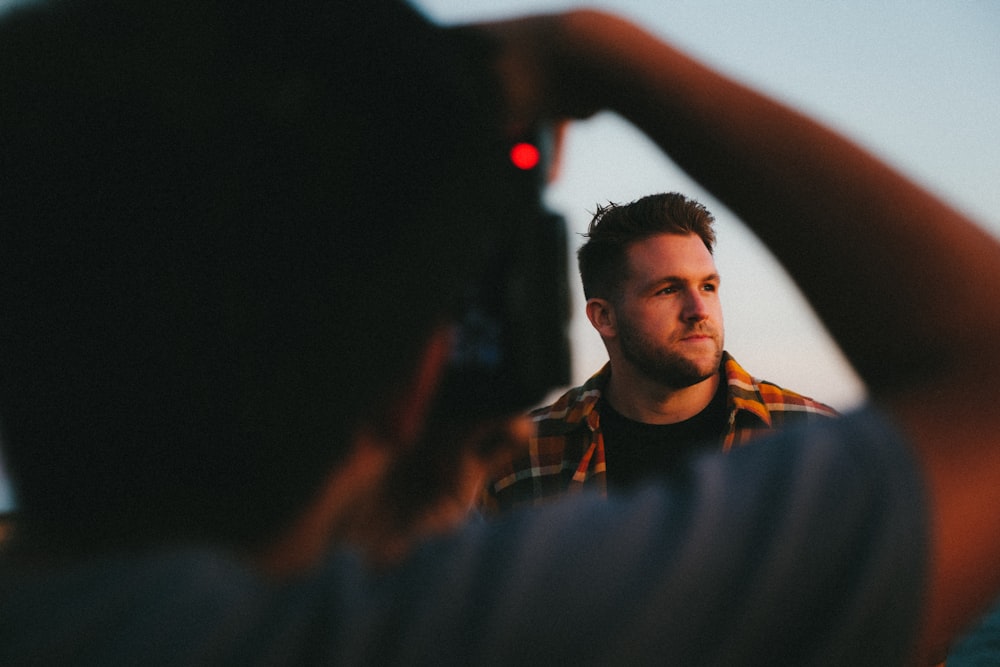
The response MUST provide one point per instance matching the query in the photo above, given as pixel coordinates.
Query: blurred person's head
(228, 233)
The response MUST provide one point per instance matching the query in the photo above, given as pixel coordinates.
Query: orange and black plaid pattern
(566, 453)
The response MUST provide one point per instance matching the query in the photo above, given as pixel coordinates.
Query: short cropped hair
(226, 230)
(603, 257)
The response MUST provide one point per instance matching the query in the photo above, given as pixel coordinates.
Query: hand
(545, 68)
(434, 488)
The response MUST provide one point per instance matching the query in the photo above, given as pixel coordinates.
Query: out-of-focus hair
(226, 230)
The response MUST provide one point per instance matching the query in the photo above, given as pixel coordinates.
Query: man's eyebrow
(667, 280)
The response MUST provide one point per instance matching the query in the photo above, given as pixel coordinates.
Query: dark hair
(226, 229)
(602, 259)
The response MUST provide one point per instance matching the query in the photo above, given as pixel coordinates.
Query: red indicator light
(524, 156)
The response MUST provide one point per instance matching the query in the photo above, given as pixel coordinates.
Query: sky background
(917, 82)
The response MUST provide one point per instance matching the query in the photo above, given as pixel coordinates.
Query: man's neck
(641, 399)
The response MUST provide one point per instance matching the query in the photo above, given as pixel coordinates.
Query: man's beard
(666, 366)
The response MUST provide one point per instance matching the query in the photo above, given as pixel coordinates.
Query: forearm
(896, 275)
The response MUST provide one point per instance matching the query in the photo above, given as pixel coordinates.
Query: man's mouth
(698, 335)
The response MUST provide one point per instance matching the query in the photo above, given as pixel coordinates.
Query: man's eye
(710, 287)
(667, 290)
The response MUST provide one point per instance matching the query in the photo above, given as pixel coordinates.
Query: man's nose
(695, 308)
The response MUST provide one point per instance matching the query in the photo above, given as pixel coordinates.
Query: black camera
(512, 344)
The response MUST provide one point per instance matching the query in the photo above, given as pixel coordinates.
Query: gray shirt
(777, 553)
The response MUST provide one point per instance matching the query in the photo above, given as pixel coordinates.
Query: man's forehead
(681, 255)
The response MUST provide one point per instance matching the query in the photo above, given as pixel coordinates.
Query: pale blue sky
(917, 82)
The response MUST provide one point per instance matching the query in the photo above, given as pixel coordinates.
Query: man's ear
(409, 407)
(601, 314)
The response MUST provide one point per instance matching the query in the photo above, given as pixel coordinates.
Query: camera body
(511, 343)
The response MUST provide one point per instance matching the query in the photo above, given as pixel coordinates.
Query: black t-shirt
(635, 451)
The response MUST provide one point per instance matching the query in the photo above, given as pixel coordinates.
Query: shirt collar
(577, 405)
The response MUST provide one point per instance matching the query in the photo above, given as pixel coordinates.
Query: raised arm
(895, 274)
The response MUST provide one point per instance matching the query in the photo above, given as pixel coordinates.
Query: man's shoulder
(571, 409)
(767, 398)
(561, 434)
(785, 400)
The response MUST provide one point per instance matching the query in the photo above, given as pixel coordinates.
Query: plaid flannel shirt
(566, 452)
